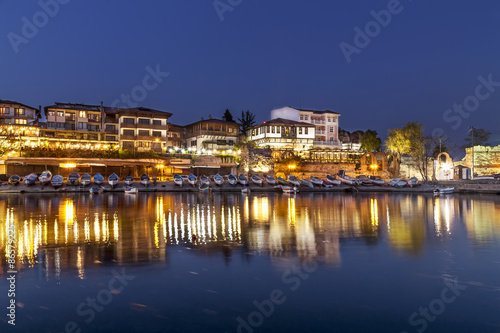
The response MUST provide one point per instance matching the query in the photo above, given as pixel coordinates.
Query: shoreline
(169, 186)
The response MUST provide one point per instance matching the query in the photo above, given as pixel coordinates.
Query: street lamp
(291, 167)
(374, 167)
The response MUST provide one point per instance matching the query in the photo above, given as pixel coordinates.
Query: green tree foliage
(370, 141)
(228, 116)
(408, 140)
(247, 120)
(477, 137)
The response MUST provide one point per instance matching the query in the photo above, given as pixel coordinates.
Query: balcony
(91, 120)
(127, 125)
(327, 143)
(320, 132)
(111, 131)
(212, 132)
(150, 138)
(150, 126)
(128, 137)
(318, 122)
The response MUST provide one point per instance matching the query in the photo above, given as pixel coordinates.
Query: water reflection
(71, 232)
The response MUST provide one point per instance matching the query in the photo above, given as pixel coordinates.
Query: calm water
(259, 263)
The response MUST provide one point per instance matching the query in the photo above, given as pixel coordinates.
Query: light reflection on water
(70, 233)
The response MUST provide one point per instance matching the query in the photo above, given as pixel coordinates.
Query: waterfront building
(211, 135)
(175, 138)
(96, 126)
(282, 133)
(326, 123)
(15, 113)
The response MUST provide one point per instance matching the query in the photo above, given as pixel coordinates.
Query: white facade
(283, 134)
(13, 113)
(326, 123)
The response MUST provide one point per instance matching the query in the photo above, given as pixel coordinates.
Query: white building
(326, 123)
(15, 113)
(211, 134)
(282, 133)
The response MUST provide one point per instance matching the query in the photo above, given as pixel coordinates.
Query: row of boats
(74, 179)
(291, 180)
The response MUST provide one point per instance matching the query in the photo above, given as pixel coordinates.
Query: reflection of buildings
(68, 234)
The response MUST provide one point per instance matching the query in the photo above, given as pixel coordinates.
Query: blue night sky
(263, 55)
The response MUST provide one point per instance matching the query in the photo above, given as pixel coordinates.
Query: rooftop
(6, 101)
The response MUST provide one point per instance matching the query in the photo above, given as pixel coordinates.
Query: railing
(326, 143)
(127, 137)
(151, 126)
(111, 131)
(110, 121)
(320, 132)
(94, 120)
(319, 122)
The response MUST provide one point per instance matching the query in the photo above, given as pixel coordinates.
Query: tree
(408, 140)
(247, 120)
(228, 116)
(477, 137)
(9, 140)
(370, 141)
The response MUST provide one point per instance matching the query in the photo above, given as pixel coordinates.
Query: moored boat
(413, 181)
(347, 180)
(45, 177)
(14, 180)
(444, 190)
(57, 181)
(204, 180)
(73, 179)
(98, 179)
(332, 180)
(327, 183)
(316, 181)
(290, 189)
(271, 180)
(96, 190)
(245, 190)
(293, 180)
(130, 190)
(393, 181)
(282, 181)
(204, 188)
(129, 180)
(113, 180)
(178, 180)
(85, 179)
(192, 180)
(30, 179)
(363, 180)
(145, 180)
(232, 179)
(401, 183)
(377, 181)
(308, 183)
(218, 180)
(256, 180)
(243, 179)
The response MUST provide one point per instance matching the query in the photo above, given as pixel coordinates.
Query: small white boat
(204, 188)
(57, 181)
(218, 180)
(316, 181)
(131, 190)
(243, 179)
(73, 179)
(98, 179)
(14, 180)
(113, 179)
(484, 178)
(289, 189)
(401, 183)
(308, 183)
(363, 180)
(205, 180)
(96, 190)
(327, 183)
(271, 180)
(85, 179)
(192, 180)
(376, 180)
(256, 180)
(45, 177)
(178, 180)
(185, 178)
(129, 180)
(232, 179)
(413, 181)
(393, 181)
(446, 190)
(347, 180)
(293, 180)
(145, 180)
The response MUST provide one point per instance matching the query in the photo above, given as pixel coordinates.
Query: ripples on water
(70, 235)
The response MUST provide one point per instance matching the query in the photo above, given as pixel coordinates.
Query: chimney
(209, 116)
(202, 118)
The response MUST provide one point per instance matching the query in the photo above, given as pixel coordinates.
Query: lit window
(305, 131)
(300, 130)
(21, 121)
(60, 113)
(51, 113)
(4, 111)
(19, 112)
(82, 114)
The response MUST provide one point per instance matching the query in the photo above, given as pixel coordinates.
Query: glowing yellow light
(374, 166)
(67, 165)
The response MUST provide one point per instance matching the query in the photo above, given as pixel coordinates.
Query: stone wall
(486, 160)
(257, 161)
